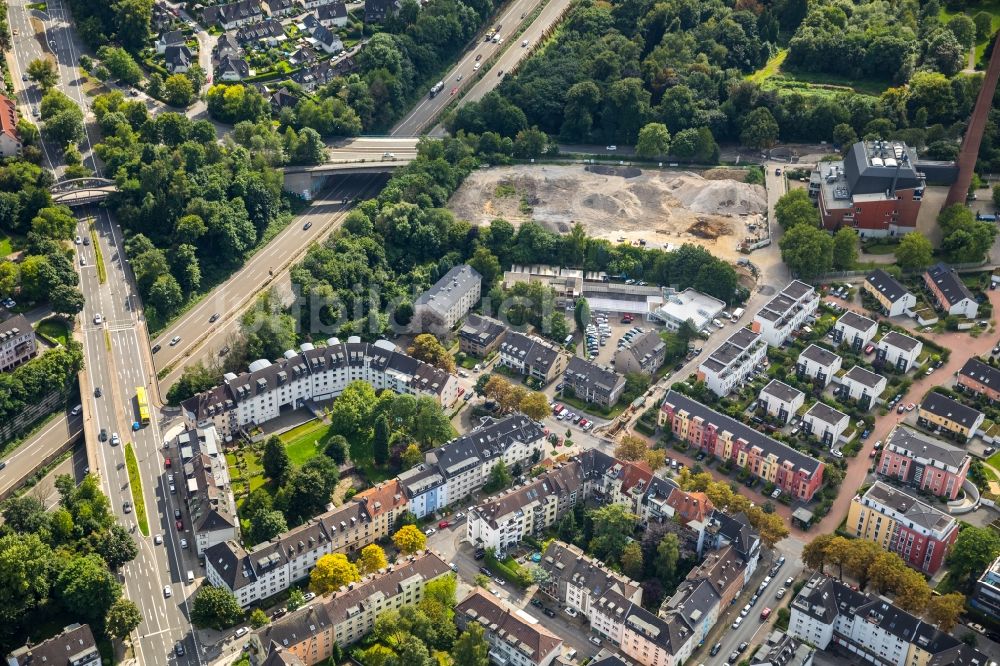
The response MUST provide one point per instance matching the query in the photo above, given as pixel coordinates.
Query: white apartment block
(784, 314)
(441, 307)
(818, 364)
(898, 350)
(863, 386)
(825, 423)
(780, 400)
(854, 330)
(732, 361)
(17, 342)
(315, 373)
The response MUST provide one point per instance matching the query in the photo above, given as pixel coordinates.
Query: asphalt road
(24, 460)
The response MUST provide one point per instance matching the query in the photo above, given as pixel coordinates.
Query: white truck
(737, 313)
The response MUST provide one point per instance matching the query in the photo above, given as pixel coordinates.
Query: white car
(242, 631)
(115, 440)
(174, 340)
(429, 531)
(158, 539)
(167, 592)
(184, 543)
(98, 318)
(476, 66)
(737, 622)
(309, 596)
(78, 240)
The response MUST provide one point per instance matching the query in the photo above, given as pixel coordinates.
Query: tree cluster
(964, 239)
(125, 22)
(28, 384)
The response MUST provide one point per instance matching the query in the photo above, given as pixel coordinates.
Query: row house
(74, 645)
(825, 423)
(480, 336)
(323, 72)
(789, 310)
(234, 14)
(732, 362)
(854, 330)
(980, 378)
(818, 364)
(594, 383)
(269, 32)
(281, 8)
(532, 357)
(206, 488)
(863, 386)
(314, 374)
(919, 533)
(343, 617)
(949, 292)
(780, 400)
(828, 614)
(511, 637)
(924, 462)
(793, 472)
(898, 351)
(940, 413)
(893, 298)
(384, 503)
(272, 567)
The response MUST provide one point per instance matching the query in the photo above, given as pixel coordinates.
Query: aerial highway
(26, 458)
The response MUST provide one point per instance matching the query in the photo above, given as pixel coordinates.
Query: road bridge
(82, 191)
(362, 155)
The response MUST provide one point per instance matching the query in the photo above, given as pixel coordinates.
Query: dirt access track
(622, 204)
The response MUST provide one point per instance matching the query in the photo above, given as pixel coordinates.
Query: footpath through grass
(135, 482)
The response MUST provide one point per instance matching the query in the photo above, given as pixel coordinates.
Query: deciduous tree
(944, 610)
(974, 550)
(807, 250)
(631, 448)
(427, 348)
(275, 460)
(371, 560)
(258, 618)
(332, 572)
(215, 607)
(409, 539)
(122, 618)
(471, 648)
(653, 141)
(535, 405)
(43, 72)
(914, 252)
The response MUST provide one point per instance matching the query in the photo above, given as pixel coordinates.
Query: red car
(443, 524)
(180, 525)
(166, 463)
(869, 349)
(453, 91)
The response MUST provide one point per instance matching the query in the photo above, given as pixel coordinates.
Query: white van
(190, 577)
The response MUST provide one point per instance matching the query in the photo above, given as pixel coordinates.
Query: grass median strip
(135, 481)
(102, 273)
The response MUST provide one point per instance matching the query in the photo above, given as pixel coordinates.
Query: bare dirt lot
(712, 209)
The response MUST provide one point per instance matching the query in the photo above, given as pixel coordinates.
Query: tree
(535, 405)
(296, 599)
(265, 525)
(885, 572)
(26, 573)
(308, 489)
(215, 607)
(499, 478)
(668, 553)
(56, 222)
(974, 550)
(86, 587)
(912, 592)
(429, 425)
(120, 64)
(487, 265)
(43, 72)
(771, 526)
(760, 129)
(427, 348)
(653, 141)
(795, 208)
(413, 652)
(845, 249)
(807, 250)
(331, 573)
(964, 29)
(409, 539)
(117, 546)
(507, 396)
(844, 136)
(631, 448)
(814, 552)
(122, 618)
(24, 514)
(984, 25)
(275, 460)
(631, 560)
(944, 610)
(914, 252)
(258, 618)
(613, 525)
(471, 648)
(371, 560)
(66, 300)
(380, 441)
(996, 195)
(581, 313)
(351, 412)
(178, 91)
(411, 457)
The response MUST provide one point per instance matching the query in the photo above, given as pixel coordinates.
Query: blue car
(135, 425)
(865, 434)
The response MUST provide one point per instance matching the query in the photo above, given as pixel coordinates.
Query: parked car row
(563, 414)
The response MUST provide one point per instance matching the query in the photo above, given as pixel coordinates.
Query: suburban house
(232, 68)
(330, 42)
(10, 139)
(313, 4)
(903, 524)
(333, 15)
(73, 646)
(863, 386)
(593, 383)
(227, 45)
(448, 300)
(480, 336)
(281, 8)
(17, 342)
(949, 292)
(986, 597)
(729, 365)
(828, 611)
(876, 189)
(324, 71)
(793, 472)
(377, 11)
(784, 314)
(854, 330)
(269, 32)
(346, 615)
(898, 351)
(233, 15)
(384, 503)
(169, 38)
(178, 59)
(924, 462)
(975, 376)
(780, 400)
(825, 423)
(939, 412)
(645, 354)
(818, 364)
(532, 357)
(893, 298)
(206, 488)
(280, 99)
(512, 638)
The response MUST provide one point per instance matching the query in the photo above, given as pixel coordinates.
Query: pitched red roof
(8, 118)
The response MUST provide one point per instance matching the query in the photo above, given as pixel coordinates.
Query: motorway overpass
(82, 191)
(363, 155)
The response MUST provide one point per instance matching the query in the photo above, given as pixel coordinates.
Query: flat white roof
(690, 304)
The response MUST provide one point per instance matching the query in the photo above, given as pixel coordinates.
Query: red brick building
(924, 462)
(981, 378)
(876, 189)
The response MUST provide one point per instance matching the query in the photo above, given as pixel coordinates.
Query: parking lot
(604, 333)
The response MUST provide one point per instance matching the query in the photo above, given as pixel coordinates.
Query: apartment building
(818, 364)
(899, 522)
(532, 357)
(924, 462)
(645, 354)
(780, 400)
(619, 482)
(893, 298)
(73, 646)
(980, 378)
(480, 336)
(384, 503)
(825, 423)
(205, 488)
(272, 567)
(314, 374)
(794, 473)
(949, 292)
(513, 637)
(898, 351)
(986, 596)
(17, 342)
(863, 386)
(784, 314)
(10, 138)
(593, 383)
(440, 308)
(729, 365)
(345, 616)
(854, 330)
(781, 649)
(940, 413)
(426, 489)
(827, 611)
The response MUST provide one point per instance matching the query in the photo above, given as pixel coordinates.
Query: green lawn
(6, 244)
(989, 6)
(772, 75)
(994, 460)
(303, 442)
(247, 479)
(54, 329)
(770, 68)
(138, 500)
